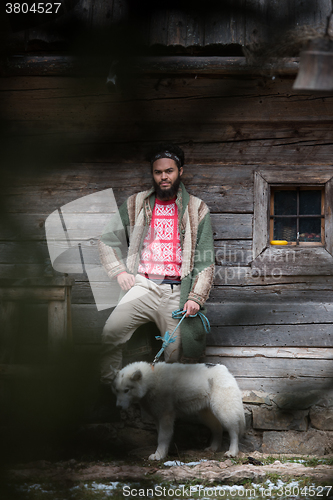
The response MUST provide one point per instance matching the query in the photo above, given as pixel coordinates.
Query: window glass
(310, 229)
(296, 215)
(310, 202)
(285, 229)
(285, 202)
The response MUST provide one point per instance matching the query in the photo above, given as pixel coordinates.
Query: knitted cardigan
(121, 244)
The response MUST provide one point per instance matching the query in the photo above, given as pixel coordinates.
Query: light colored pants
(146, 301)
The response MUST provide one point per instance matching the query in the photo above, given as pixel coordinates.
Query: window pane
(285, 229)
(310, 229)
(310, 202)
(285, 202)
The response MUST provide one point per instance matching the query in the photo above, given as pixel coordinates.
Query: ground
(192, 475)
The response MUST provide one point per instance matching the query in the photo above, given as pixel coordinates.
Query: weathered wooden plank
(329, 216)
(159, 27)
(276, 367)
(83, 13)
(304, 335)
(104, 13)
(224, 188)
(312, 14)
(290, 261)
(119, 12)
(243, 324)
(21, 371)
(151, 65)
(245, 276)
(316, 289)
(256, 25)
(269, 314)
(32, 294)
(213, 106)
(260, 216)
(287, 386)
(225, 26)
(291, 292)
(270, 352)
(237, 226)
(236, 143)
(233, 252)
(9, 331)
(232, 226)
(57, 327)
(194, 30)
(26, 252)
(18, 271)
(297, 175)
(177, 27)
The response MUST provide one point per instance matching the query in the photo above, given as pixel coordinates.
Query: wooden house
(255, 149)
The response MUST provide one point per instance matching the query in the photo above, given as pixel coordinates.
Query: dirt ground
(192, 465)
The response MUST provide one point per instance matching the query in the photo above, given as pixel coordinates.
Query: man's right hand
(126, 281)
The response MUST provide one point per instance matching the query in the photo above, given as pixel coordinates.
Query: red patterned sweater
(161, 252)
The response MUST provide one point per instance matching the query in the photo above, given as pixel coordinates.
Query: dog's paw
(155, 456)
(231, 454)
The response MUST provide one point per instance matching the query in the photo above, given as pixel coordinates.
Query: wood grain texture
(32, 294)
(291, 261)
(329, 216)
(276, 367)
(260, 216)
(298, 336)
(275, 313)
(271, 352)
(284, 386)
(235, 121)
(223, 23)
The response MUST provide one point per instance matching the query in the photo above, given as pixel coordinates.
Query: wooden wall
(187, 25)
(64, 138)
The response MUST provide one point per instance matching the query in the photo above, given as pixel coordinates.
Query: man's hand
(191, 307)
(126, 281)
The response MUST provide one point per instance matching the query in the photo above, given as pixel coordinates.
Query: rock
(276, 419)
(302, 443)
(296, 400)
(322, 418)
(256, 397)
(326, 400)
(251, 441)
(248, 418)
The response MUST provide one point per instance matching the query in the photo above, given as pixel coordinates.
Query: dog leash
(169, 338)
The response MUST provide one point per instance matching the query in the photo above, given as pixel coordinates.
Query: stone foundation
(274, 424)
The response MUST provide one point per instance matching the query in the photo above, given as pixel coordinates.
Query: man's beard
(167, 194)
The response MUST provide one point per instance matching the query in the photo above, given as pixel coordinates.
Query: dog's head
(128, 387)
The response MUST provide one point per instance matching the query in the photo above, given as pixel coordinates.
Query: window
(295, 205)
(297, 215)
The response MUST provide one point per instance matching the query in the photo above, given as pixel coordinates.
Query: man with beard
(169, 264)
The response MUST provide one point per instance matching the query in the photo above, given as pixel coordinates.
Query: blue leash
(169, 339)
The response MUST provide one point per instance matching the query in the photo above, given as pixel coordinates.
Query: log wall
(65, 138)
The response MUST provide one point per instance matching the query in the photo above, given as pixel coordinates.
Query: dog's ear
(137, 375)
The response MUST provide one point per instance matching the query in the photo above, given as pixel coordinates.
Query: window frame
(300, 176)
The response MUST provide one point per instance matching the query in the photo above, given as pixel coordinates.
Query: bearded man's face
(166, 178)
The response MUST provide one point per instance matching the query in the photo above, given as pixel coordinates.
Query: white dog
(166, 391)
